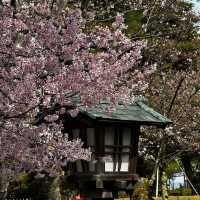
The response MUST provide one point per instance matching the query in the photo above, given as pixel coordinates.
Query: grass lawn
(182, 198)
(173, 198)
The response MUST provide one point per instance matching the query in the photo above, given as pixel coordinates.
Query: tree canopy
(46, 57)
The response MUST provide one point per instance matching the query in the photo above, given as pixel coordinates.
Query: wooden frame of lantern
(113, 139)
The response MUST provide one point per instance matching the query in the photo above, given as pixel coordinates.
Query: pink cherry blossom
(47, 58)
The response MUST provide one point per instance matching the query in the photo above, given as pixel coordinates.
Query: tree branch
(21, 114)
(175, 95)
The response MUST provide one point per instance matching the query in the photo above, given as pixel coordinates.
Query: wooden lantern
(113, 139)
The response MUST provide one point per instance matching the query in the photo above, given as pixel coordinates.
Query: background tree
(173, 44)
(191, 163)
(177, 96)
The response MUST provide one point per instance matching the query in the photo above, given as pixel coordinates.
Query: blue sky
(196, 5)
(178, 181)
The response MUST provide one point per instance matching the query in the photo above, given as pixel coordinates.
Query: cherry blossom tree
(47, 56)
(176, 95)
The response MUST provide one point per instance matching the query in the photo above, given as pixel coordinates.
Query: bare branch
(175, 95)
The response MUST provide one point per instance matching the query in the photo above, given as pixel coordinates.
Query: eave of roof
(137, 113)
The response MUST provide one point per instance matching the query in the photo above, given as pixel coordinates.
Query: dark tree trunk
(193, 175)
(3, 189)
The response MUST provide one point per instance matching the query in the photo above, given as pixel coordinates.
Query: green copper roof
(138, 112)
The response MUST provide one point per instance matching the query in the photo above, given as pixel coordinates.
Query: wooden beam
(135, 131)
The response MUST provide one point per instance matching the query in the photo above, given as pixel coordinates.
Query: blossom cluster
(46, 58)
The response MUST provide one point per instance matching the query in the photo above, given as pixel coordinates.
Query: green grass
(173, 198)
(181, 198)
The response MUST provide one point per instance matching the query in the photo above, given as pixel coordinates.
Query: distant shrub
(122, 195)
(141, 190)
(186, 191)
(27, 187)
(181, 192)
